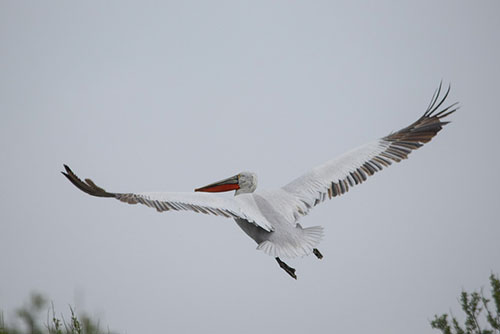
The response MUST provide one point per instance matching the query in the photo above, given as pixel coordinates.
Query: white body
(270, 217)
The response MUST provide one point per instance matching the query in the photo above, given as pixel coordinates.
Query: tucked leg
(287, 268)
(317, 253)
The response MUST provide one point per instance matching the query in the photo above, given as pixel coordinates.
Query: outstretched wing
(336, 176)
(165, 201)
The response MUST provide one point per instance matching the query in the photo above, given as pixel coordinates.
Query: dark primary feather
(423, 130)
(401, 143)
(88, 186)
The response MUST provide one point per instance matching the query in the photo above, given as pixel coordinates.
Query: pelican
(271, 217)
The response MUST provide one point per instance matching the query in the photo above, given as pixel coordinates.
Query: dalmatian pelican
(271, 217)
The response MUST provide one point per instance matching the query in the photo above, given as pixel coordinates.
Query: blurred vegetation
(479, 316)
(31, 316)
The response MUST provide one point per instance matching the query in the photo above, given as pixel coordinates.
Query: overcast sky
(170, 96)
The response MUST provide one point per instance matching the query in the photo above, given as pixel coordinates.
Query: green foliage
(29, 315)
(474, 305)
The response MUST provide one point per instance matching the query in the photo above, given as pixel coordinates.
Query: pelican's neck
(243, 191)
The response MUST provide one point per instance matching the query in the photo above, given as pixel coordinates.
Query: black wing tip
(69, 173)
(430, 123)
(434, 104)
(88, 186)
(66, 174)
(446, 111)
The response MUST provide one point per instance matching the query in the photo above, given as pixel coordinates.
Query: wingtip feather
(88, 186)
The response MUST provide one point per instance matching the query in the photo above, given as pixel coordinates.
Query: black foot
(317, 253)
(286, 268)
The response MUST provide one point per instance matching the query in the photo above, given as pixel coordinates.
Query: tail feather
(308, 239)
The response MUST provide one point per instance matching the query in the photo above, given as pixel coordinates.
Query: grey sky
(171, 96)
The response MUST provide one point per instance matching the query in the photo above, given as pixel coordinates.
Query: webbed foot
(317, 253)
(287, 268)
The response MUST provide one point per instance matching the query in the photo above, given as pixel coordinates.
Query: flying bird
(271, 217)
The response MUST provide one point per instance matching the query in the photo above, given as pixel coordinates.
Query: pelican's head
(244, 182)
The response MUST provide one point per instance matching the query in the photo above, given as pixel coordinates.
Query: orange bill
(224, 185)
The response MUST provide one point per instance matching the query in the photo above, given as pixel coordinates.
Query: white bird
(270, 217)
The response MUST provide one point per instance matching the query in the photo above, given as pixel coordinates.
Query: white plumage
(270, 217)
